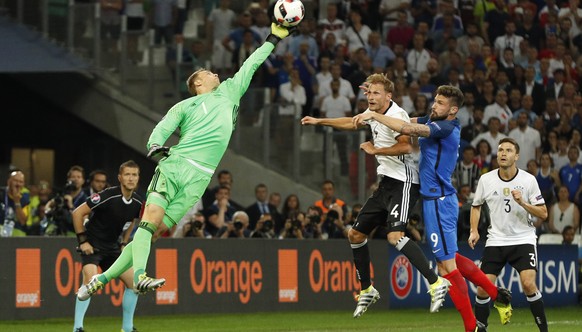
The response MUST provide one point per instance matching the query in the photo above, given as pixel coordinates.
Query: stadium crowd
(517, 63)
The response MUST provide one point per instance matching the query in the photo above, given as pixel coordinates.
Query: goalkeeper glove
(156, 150)
(279, 32)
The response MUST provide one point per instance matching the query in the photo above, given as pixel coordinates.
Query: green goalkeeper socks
(142, 241)
(121, 264)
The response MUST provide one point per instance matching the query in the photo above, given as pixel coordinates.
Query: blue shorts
(440, 222)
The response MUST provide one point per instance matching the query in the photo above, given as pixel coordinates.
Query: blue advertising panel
(557, 278)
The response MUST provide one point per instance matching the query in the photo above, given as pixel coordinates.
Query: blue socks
(80, 310)
(128, 304)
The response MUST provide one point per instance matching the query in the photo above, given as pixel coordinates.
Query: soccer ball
(289, 13)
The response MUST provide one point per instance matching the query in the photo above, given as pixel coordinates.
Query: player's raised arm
(401, 126)
(344, 123)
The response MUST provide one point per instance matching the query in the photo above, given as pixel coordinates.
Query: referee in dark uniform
(109, 212)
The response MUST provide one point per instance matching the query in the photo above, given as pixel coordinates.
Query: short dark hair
(96, 172)
(130, 164)
(454, 94)
(510, 141)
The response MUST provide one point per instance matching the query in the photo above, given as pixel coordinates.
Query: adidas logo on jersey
(495, 193)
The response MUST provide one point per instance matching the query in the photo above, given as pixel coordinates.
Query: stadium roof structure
(26, 51)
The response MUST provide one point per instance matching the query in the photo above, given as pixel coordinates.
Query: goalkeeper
(206, 122)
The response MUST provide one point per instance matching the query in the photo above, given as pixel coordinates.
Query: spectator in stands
(357, 33)
(486, 96)
(275, 200)
(293, 98)
(260, 207)
(447, 15)
(111, 23)
(421, 106)
(484, 158)
(533, 89)
(449, 29)
(571, 175)
(550, 143)
(466, 171)
(508, 40)
(224, 178)
(529, 28)
(399, 71)
(417, 58)
(499, 110)
(573, 12)
(401, 33)
(568, 235)
(563, 213)
(97, 182)
(244, 49)
(560, 157)
(15, 209)
(307, 68)
(337, 106)
(423, 11)
(471, 36)
(237, 227)
(177, 231)
(380, 54)
(492, 135)
(514, 100)
(436, 76)
(218, 25)
(303, 36)
(551, 115)
(332, 24)
(345, 88)
(475, 125)
(219, 213)
(528, 139)
(163, 21)
(135, 11)
(494, 22)
(236, 36)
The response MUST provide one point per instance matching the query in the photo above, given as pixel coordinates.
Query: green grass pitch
(448, 320)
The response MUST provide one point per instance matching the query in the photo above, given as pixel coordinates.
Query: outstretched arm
(336, 123)
(401, 126)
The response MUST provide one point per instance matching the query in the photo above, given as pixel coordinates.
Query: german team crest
(506, 191)
(401, 277)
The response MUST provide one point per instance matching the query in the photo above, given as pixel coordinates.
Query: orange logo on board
(288, 285)
(167, 267)
(27, 278)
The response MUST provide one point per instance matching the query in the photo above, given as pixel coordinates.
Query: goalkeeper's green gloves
(279, 32)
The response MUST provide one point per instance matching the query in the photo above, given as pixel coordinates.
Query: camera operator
(265, 228)
(314, 223)
(334, 227)
(195, 227)
(237, 228)
(60, 207)
(294, 227)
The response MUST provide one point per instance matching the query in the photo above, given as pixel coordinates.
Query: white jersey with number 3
(511, 224)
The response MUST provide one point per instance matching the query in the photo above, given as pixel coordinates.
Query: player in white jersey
(513, 197)
(390, 204)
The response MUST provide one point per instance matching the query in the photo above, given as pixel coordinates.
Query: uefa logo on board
(401, 277)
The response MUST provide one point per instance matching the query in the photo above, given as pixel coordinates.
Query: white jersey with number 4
(397, 167)
(511, 224)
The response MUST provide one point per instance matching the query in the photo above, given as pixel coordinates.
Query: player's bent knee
(355, 236)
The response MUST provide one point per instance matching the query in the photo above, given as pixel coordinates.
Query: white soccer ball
(289, 13)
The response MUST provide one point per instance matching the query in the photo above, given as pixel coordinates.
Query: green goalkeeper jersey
(206, 121)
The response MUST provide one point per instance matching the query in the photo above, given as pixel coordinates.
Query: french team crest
(95, 198)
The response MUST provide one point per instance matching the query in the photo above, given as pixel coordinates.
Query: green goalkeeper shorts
(180, 184)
